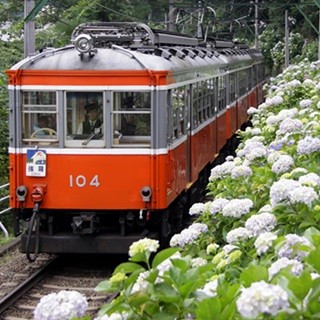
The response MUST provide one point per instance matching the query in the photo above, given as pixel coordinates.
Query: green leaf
(166, 293)
(163, 316)
(103, 286)
(139, 298)
(128, 267)
(313, 235)
(301, 285)
(180, 264)
(208, 309)
(253, 274)
(163, 255)
(313, 259)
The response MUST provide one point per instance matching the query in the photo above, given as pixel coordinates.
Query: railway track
(20, 295)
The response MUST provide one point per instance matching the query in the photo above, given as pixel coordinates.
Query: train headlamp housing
(146, 193)
(21, 193)
(83, 43)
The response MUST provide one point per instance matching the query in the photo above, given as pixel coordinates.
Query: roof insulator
(162, 53)
(189, 53)
(178, 53)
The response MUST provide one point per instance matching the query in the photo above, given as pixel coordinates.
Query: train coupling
(86, 223)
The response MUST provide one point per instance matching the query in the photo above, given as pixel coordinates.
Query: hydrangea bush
(253, 251)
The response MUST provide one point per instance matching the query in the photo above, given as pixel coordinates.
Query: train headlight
(83, 43)
(146, 194)
(21, 193)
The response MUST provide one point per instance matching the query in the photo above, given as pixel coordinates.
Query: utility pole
(170, 24)
(256, 25)
(29, 30)
(286, 41)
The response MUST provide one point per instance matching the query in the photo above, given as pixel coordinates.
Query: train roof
(135, 46)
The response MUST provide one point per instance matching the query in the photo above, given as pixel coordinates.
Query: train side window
(232, 85)
(84, 119)
(222, 93)
(179, 102)
(242, 82)
(131, 118)
(39, 118)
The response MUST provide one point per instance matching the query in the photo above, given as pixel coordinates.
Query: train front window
(131, 118)
(39, 118)
(84, 119)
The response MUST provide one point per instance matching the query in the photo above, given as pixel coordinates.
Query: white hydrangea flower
(298, 171)
(238, 235)
(309, 82)
(252, 111)
(175, 240)
(197, 226)
(229, 158)
(289, 125)
(198, 262)
(143, 245)
(296, 266)
(310, 180)
(209, 290)
(272, 120)
(265, 208)
(261, 223)
(141, 283)
(308, 145)
(287, 113)
(262, 298)
(237, 208)
(280, 190)
(282, 164)
(260, 152)
(256, 131)
(217, 204)
(63, 305)
(212, 248)
(228, 248)
(305, 103)
(264, 242)
(196, 209)
(241, 171)
(294, 83)
(315, 275)
(249, 145)
(189, 235)
(273, 156)
(274, 101)
(166, 264)
(289, 247)
(303, 194)
(221, 170)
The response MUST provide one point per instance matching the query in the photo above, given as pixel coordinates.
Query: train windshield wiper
(96, 131)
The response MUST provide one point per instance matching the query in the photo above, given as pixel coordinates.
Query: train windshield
(131, 118)
(39, 118)
(84, 119)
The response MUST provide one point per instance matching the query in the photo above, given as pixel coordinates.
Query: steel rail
(26, 285)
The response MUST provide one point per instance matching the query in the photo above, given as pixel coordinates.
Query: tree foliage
(236, 19)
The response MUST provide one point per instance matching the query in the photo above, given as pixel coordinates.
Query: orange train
(111, 136)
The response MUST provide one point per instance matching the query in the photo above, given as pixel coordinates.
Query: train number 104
(83, 181)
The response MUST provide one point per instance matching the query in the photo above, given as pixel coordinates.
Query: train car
(112, 136)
